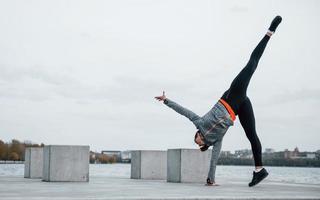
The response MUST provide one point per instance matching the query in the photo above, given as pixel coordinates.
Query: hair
(204, 147)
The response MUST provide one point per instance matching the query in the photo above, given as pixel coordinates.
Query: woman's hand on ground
(161, 98)
(211, 183)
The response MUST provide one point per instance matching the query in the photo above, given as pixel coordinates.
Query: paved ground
(12, 188)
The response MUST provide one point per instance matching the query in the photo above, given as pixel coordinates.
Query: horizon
(97, 151)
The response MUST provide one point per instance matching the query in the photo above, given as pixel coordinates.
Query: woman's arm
(179, 109)
(213, 163)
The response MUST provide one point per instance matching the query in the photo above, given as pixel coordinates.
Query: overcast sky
(86, 72)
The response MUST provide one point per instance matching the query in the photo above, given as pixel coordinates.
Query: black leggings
(236, 97)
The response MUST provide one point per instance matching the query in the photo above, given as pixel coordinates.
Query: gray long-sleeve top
(212, 126)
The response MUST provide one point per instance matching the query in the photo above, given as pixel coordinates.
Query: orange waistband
(229, 109)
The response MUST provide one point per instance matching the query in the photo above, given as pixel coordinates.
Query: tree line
(98, 158)
(14, 150)
(271, 162)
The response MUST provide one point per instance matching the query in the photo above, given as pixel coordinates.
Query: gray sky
(86, 72)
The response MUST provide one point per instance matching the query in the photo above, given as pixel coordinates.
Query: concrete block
(66, 163)
(149, 165)
(33, 163)
(187, 165)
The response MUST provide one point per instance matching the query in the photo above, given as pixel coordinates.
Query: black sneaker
(258, 176)
(275, 22)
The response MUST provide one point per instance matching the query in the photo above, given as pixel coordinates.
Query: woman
(213, 125)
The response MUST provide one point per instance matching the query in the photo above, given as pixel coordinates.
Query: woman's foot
(275, 23)
(258, 177)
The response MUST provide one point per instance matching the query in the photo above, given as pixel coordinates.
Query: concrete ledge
(66, 163)
(187, 165)
(149, 165)
(33, 164)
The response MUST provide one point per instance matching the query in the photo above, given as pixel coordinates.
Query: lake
(280, 174)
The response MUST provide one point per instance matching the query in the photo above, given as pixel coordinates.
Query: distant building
(318, 154)
(307, 155)
(111, 153)
(296, 154)
(311, 155)
(244, 153)
(291, 154)
(269, 150)
(225, 154)
(121, 156)
(92, 155)
(126, 156)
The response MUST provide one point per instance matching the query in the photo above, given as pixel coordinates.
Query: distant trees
(3, 150)
(14, 150)
(106, 159)
(102, 158)
(223, 160)
(14, 156)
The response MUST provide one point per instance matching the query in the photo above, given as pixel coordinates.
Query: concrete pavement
(99, 188)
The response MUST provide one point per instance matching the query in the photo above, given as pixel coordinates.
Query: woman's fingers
(159, 98)
(211, 184)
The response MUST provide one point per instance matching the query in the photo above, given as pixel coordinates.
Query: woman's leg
(247, 120)
(237, 92)
(237, 98)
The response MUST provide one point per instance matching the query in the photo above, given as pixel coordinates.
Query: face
(199, 140)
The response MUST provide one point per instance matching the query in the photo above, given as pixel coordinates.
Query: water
(280, 174)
